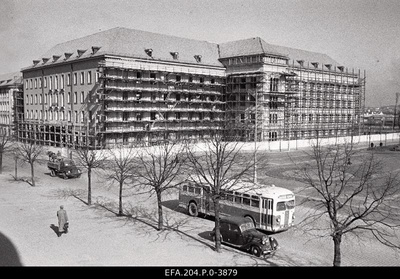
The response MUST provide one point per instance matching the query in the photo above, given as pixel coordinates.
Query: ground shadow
(8, 253)
(55, 229)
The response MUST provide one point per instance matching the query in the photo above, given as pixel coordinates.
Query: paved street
(98, 237)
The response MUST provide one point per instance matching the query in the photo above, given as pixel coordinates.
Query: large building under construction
(125, 86)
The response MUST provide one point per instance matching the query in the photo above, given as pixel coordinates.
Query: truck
(63, 167)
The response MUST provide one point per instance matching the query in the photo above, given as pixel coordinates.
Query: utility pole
(255, 138)
(395, 110)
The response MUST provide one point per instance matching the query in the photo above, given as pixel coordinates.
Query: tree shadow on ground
(8, 253)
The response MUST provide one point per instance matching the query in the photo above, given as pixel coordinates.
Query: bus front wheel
(193, 210)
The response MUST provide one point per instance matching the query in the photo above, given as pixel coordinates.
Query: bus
(271, 208)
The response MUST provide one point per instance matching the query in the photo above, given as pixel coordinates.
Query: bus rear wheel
(193, 210)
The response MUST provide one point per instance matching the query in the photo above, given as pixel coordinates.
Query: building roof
(250, 46)
(10, 79)
(257, 45)
(133, 43)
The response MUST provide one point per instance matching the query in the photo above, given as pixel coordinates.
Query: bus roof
(262, 189)
(259, 189)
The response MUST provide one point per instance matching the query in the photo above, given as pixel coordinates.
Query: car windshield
(280, 206)
(246, 226)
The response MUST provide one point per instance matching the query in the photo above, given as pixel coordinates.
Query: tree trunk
(160, 211)
(337, 258)
(16, 168)
(32, 174)
(121, 184)
(217, 226)
(1, 162)
(89, 200)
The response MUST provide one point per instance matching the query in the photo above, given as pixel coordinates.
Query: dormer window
(56, 57)
(67, 55)
(341, 68)
(175, 55)
(198, 58)
(35, 62)
(45, 60)
(95, 49)
(301, 62)
(149, 52)
(81, 52)
(315, 64)
(328, 66)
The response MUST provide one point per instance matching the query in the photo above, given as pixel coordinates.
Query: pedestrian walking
(62, 221)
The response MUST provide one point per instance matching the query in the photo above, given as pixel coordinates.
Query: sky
(359, 34)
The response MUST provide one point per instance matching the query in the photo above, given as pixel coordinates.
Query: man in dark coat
(62, 221)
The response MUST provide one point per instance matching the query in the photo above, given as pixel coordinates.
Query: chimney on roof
(95, 49)
(198, 58)
(67, 55)
(80, 52)
(45, 60)
(175, 55)
(149, 52)
(35, 62)
(55, 57)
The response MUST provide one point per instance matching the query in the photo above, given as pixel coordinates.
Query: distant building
(125, 86)
(10, 88)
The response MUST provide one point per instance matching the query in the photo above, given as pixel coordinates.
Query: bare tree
(90, 160)
(159, 168)
(4, 147)
(351, 190)
(29, 153)
(120, 168)
(218, 167)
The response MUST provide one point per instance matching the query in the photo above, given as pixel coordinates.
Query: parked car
(395, 148)
(241, 233)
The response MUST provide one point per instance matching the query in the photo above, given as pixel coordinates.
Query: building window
(68, 79)
(75, 97)
(35, 83)
(26, 84)
(82, 116)
(89, 77)
(69, 98)
(69, 116)
(138, 74)
(31, 99)
(50, 83)
(82, 77)
(36, 99)
(201, 79)
(76, 117)
(75, 78)
(178, 78)
(31, 84)
(82, 97)
(61, 100)
(97, 77)
(152, 116)
(62, 82)
(153, 75)
(56, 82)
(45, 82)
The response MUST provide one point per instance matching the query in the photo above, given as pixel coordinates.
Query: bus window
(280, 206)
(255, 203)
(238, 198)
(197, 191)
(229, 197)
(246, 199)
(184, 188)
(191, 189)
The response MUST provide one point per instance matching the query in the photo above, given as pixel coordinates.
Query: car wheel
(255, 250)
(193, 210)
(65, 176)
